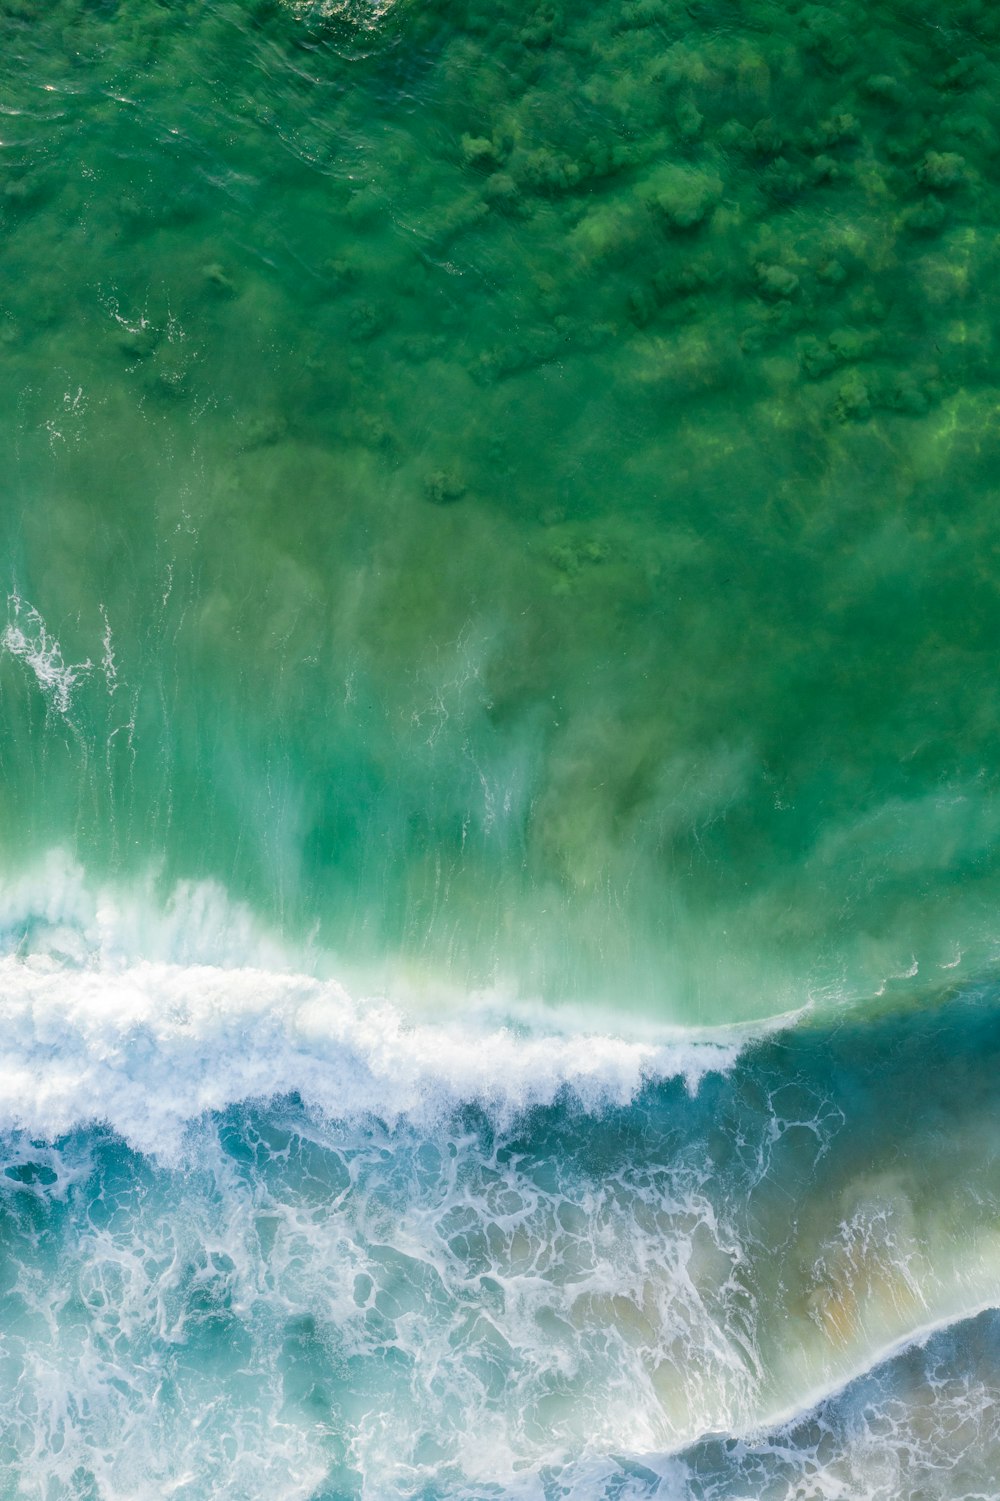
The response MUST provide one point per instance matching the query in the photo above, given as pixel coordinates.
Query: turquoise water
(498, 720)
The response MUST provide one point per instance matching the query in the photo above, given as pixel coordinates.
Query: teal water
(498, 783)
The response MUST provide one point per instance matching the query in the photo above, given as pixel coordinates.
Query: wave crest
(148, 1013)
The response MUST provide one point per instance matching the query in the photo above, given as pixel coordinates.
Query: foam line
(152, 1046)
(920, 1335)
(147, 1010)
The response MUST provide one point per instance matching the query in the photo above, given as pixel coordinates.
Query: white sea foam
(963, 1311)
(364, 14)
(539, 1308)
(922, 1424)
(151, 1046)
(533, 1309)
(215, 1011)
(28, 638)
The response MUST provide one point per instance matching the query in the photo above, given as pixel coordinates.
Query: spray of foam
(28, 638)
(147, 1014)
(154, 1046)
(364, 14)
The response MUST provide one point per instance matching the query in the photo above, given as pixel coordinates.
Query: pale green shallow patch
(523, 481)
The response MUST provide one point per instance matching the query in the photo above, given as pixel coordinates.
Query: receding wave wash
(499, 771)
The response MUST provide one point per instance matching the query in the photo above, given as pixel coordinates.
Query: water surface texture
(499, 793)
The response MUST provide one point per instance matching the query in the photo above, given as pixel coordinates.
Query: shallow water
(498, 795)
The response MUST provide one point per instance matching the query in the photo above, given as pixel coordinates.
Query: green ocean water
(523, 482)
(499, 795)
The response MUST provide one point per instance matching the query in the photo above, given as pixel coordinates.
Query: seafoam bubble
(105, 995)
(28, 638)
(363, 14)
(327, 1244)
(151, 1046)
(426, 1305)
(451, 1312)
